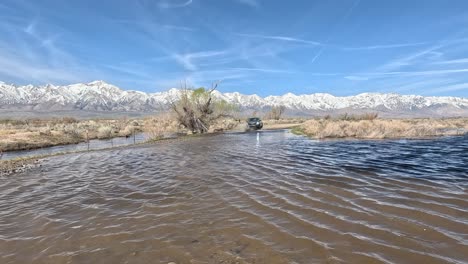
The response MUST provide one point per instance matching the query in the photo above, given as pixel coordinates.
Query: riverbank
(160, 130)
(373, 128)
(21, 164)
(8, 167)
(29, 134)
(317, 128)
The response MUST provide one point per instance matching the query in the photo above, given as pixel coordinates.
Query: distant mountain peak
(98, 82)
(102, 96)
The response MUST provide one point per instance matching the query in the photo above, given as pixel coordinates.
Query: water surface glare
(260, 197)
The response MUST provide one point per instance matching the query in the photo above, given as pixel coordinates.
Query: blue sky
(342, 47)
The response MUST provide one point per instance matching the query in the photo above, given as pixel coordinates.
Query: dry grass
(37, 133)
(166, 125)
(270, 122)
(8, 167)
(105, 132)
(285, 123)
(161, 126)
(224, 124)
(383, 128)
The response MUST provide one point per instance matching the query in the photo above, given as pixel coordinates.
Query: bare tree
(276, 112)
(196, 109)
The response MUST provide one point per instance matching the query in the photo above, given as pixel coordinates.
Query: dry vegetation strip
(36, 133)
(373, 128)
(12, 166)
(8, 167)
(286, 123)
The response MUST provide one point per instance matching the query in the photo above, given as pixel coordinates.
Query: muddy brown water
(93, 144)
(260, 197)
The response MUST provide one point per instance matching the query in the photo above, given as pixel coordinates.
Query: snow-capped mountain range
(101, 96)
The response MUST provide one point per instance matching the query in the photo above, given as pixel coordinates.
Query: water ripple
(262, 197)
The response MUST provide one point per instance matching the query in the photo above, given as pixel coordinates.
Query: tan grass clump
(160, 126)
(224, 124)
(105, 132)
(384, 128)
(37, 133)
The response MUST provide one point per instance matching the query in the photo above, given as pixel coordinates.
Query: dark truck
(254, 123)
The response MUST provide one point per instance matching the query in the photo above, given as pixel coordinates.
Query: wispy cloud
(416, 70)
(261, 70)
(240, 74)
(175, 27)
(407, 73)
(356, 78)
(200, 78)
(386, 46)
(252, 3)
(32, 51)
(188, 60)
(153, 24)
(185, 61)
(317, 55)
(150, 45)
(30, 28)
(132, 70)
(417, 73)
(457, 61)
(281, 38)
(451, 88)
(414, 83)
(174, 4)
(338, 23)
(24, 69)
(423, 56)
